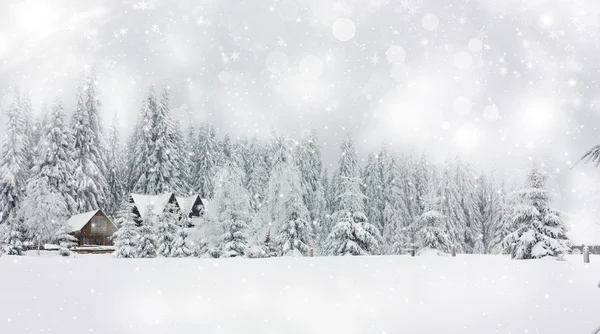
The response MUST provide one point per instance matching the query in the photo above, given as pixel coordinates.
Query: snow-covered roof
(186, 203)
(77, 222)
(205, 203)
(157, 201)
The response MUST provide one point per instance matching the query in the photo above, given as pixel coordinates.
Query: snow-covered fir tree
(11, 236)
(147, 246)
(43, 211)
(89, 147)
(54, 159)
(27, 110)
(231, 209)
(14, 167)
(450, 206)
(431, 230)
(205, 160)
(395, 213)
(502, 226)
(489, 206)
(352, 233)
(181, 247)
(311, 168)
(288, 210)
(115, 177)
(540, 229)
(126, 237)
(65, 241)
(166, 230)
(465, 182)
(258, 178)
(140, 146)
(373, 188)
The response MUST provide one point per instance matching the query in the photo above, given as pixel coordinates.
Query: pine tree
(396, 216)
(166, 230)
(54, 160)
(180, 244)
(147, 244)
(232, 205)
(489, 206)
(373, 178)
(352, 234)
(115, 177)
(13, 163)
(501, 225)
(89, 148)
(258, 177)
(126, 237)
(431, 235)
(65, 241)
(540, 230)
(450, 206)
(29, 142)
(288, 210)
(465, 182)
(43, 211)
(141, 146)
(11, 237)
(206, 160)
(311, 168)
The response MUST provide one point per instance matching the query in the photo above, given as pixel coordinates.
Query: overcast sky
(495, 81)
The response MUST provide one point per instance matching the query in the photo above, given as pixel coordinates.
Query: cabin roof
(77, 222)
(159, 202)
(186, 204)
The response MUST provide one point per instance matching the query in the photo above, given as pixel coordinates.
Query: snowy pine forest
(268, 197)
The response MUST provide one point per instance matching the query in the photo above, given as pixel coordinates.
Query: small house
(92, 228)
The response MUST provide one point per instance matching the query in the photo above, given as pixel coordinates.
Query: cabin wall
(98, 231)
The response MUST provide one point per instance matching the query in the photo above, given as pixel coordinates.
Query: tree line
(268, 197)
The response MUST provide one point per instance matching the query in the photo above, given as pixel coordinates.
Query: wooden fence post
(453, 252)
(312, 252)
(586, 254)
(412, 252)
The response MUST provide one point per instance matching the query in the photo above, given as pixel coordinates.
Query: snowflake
(235, 56)
(145, 5)
(185, 18)
(155, 28)
(123, 32)
(281, 43)
(503, 71)
(374, 59)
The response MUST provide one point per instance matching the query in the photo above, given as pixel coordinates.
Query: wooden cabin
(92, 228)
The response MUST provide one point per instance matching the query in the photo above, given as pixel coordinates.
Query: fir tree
(166, 230)
(232, 205)
(11, 237)
(431, 229)
(206, 160)
(540, 230)
(311, 168)
(180, 244)
(29, 142)
(66, 242)
(373, 178)
(450, 206)
(396, 216)
(89, 148)
(140, 147)
(13, 163)
(352, 234)
(115, 165)
(54, 161)
(126, 237)
(43, 211)
(258, 177)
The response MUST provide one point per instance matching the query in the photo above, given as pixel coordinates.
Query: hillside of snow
(391, 294)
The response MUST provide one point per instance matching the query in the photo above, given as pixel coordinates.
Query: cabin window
(99, 225)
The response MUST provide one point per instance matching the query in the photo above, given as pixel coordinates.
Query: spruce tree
(13, 163)
(115, 170)
(540, 229)
(181, 247)
(166, 230)
(65, 241)
(311, 169)
(11, 236)
(126, 237)
(450, 206)
(140, 147)
(373, 179)
(232, 205)
(352, 233)
(395, 214)
(432, 230)
(54, 160)
(89, 147)
(147, 245)
(206, 160)
(258, 178)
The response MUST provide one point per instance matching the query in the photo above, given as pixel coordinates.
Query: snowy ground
(467, 294)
